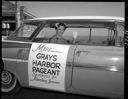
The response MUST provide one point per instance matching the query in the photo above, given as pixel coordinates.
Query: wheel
(9, 83)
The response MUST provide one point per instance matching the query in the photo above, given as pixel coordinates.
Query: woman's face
(60, 29)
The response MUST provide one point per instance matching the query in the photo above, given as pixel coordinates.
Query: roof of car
(105, 18)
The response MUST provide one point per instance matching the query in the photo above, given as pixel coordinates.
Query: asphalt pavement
(27, 93)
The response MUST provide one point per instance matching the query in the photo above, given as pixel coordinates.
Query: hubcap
(6, 78)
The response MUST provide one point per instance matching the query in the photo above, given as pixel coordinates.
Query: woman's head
(60, 27)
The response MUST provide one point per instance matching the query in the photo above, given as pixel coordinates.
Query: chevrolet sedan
(91, 62)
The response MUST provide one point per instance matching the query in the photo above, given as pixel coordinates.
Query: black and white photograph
(62, 50)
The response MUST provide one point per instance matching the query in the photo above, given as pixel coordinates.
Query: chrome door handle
(79, 52)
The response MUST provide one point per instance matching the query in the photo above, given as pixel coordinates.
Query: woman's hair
(60, 24)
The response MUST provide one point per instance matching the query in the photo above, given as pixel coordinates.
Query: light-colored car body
(95, 70)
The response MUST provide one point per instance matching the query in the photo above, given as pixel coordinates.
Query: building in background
(10, 15)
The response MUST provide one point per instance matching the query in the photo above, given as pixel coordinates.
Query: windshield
(24, 31)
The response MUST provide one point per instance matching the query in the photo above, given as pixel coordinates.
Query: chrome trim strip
(16, 60)
(79, 17)
(17, 41)
(109, 68)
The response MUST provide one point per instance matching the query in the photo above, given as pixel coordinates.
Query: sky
(47, 9)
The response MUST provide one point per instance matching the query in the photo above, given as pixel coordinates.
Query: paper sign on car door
(46, 66)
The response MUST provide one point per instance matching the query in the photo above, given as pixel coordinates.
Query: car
(90, 63)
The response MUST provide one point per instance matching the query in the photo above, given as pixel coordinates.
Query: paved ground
(26, 93)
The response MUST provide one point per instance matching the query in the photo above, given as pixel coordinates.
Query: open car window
(45, 34)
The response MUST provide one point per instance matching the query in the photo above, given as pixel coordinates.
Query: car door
(99, 70)
(67, 51)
